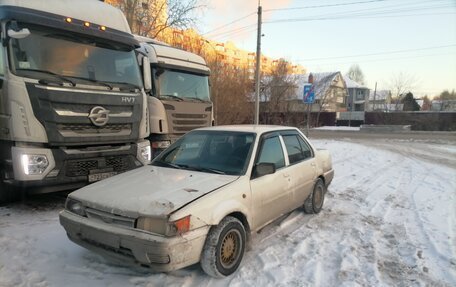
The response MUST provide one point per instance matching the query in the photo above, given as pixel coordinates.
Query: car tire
(224, 248)
(314, 203)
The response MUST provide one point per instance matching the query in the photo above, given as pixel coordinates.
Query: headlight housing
(144, 152)
(75, 206)
(34, 164)
(163, 226)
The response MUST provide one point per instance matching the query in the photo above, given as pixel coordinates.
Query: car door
(271, 194)
(302, 168)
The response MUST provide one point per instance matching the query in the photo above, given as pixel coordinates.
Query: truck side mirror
(147, 75)
(22, 33)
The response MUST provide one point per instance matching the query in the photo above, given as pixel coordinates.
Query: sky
(388, 39)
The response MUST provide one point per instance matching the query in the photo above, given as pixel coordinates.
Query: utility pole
(258, 67)
(375, 95)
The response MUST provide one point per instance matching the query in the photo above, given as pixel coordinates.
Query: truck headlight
(144, 152)
(75, 207)
(33, 164)
(163, 226)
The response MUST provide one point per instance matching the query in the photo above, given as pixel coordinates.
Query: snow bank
(341, 128)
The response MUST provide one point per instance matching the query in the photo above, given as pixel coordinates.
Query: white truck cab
(72, 103)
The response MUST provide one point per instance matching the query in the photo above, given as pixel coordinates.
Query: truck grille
(64, 113)
(89, 129)
(112, 163)
(183, 123)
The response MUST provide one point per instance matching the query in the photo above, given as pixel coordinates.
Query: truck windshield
(82, 60)
(179, 85)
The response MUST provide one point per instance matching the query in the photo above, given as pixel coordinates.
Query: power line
(232, 22)
(232, 31)
(361, 15)
(378, 53)
(324, 6)
(385, 59)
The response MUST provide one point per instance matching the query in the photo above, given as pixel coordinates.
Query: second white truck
(179, 100)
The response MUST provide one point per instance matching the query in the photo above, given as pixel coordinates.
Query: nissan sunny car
(201, 198)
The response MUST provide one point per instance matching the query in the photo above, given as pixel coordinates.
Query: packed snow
(388, 220)
(337, 128)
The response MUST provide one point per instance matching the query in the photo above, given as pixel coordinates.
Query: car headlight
(75, 207)
(163, 226)
(34, 163)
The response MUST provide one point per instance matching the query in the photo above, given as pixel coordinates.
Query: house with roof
(381, 101)
(329, 88)
(357, 96)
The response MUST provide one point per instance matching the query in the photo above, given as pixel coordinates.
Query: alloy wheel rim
(318, 197)
(230, 248)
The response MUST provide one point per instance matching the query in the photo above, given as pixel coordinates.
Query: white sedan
(201, 198)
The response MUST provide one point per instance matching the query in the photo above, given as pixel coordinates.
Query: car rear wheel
(224, 248)
(314, 202)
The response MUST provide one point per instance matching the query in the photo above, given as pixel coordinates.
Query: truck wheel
(314, 202)
(224, 248)
(8, 193)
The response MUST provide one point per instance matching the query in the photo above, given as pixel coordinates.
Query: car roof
(258, 129)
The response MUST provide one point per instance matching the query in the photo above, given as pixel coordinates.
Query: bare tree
(277, 91)
(355, 74)
(152, 17)
(230, 90)
(400, 84)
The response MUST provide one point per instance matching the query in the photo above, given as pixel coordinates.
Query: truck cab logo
(99, 116)
(129, 100)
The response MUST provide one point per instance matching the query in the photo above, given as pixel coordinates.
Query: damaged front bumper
(161, 254)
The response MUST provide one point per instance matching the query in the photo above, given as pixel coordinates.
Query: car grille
(111, 163)
(110, 218)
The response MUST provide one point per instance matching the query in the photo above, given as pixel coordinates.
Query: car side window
(306, 150)
(271, 152)
(294, 149)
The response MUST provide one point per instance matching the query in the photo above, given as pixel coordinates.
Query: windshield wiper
(170, 164)
(197, 99)
(206, 169)
(173, 96)
(93, 81)
(42, 81)
(122, 85)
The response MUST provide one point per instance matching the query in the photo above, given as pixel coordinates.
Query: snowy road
(389, 220)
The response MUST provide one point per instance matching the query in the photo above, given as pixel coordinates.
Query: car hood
(149, 191)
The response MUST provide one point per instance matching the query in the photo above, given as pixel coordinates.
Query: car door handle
(313, 164)
(286, 175)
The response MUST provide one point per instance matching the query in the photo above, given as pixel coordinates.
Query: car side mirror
(263, 168)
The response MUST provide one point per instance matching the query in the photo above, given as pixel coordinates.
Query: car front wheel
(314, 202)
(224, 248)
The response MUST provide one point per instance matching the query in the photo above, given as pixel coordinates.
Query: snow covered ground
(336, 128)
(389, 220)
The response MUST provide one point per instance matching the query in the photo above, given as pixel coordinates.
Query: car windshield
(209, 151)
(47, 54)
(179, 85)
